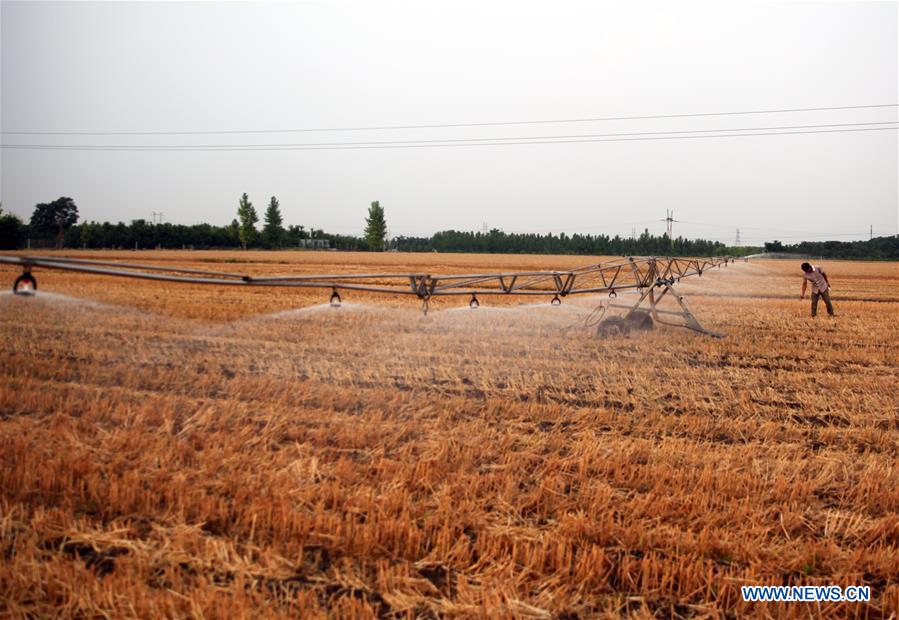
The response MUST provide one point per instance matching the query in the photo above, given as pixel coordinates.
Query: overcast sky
(171, 66)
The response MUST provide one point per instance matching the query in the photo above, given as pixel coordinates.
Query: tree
(53, 218)
(375, 227)
(273, 232)
(246, 212)
(12, 231)
(232, 232)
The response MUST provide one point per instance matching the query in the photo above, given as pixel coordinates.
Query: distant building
(316, 244)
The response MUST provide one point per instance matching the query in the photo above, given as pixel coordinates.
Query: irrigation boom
(644, 275)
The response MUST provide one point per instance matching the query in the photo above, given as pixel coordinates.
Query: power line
(762, 232)
(821, 235)
(453, 140)
(577, 228)
(442, 144)
(800, 234)
(770, 233)
(442, 125)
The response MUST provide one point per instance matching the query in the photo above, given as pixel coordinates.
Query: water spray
(641, 274)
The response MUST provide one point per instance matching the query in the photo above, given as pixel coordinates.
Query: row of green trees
(497, 241)
(56, 223)
(878, 248)
(50, 220)
(274, 234)
(143, 234)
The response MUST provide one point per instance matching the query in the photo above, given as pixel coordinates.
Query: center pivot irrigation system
(650, 278)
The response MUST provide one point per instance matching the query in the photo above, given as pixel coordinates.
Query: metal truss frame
(643, 274)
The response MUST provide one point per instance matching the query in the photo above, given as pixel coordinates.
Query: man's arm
(824, 275)
(804, 284)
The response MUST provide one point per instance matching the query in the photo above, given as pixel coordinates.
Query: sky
(120, 67)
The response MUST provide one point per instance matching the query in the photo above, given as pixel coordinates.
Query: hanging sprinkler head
(556, 301)
(25, 284)
(335, 299)
(613, 294)
(474, 303)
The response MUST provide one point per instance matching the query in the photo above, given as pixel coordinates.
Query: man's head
(806, 267)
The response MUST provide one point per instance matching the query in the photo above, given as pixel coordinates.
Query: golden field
(191, 451)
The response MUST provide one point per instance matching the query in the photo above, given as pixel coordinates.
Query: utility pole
(669, 220)
(872, 231)
(737, 241)
(485, 228)
(633, 232)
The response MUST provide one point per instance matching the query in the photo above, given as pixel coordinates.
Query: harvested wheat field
(185, 451)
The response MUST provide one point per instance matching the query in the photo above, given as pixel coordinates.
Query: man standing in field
(820, 287)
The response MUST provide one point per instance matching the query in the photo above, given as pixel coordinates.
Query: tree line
(498, 242)
(878, 248)
(56, 224)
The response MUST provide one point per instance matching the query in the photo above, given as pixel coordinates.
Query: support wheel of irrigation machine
(639, 320)
(612, 327)
(25, 284)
